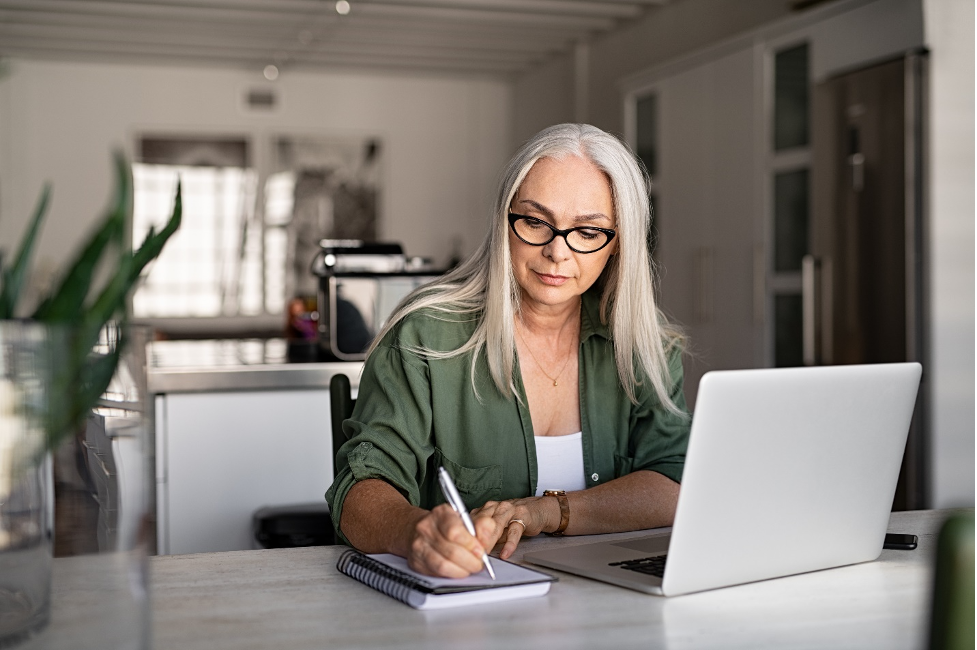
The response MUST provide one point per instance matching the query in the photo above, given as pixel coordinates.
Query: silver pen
(454, 500)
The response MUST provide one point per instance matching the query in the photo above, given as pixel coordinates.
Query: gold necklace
(555, 380)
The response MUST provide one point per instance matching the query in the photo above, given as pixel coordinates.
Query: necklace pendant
(554, 382)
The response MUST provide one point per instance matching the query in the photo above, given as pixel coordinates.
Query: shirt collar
(590, 323)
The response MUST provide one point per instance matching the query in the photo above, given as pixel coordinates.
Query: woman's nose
(557, 250)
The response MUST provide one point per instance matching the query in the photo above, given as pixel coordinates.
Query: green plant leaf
(110, 303)
(13, 277)
(81, 383)
(82, 374)
(153, 243)
(65, 303)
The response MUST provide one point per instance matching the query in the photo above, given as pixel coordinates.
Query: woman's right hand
(376, 518)
(440, 545)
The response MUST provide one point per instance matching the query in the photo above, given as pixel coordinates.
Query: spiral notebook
(391, 575)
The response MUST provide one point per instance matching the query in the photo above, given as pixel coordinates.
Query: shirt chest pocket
(475, 484)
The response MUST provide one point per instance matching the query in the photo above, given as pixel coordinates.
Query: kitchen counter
(235, 420)
(237, 365)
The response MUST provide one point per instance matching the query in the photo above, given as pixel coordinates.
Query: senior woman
(539, 373)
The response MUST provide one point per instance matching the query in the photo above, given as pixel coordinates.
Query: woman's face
(565, 194)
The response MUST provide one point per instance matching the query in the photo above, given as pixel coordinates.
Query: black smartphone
(899, 542)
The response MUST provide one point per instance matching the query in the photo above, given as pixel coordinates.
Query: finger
(457, 544)
(442, 546)
(512, 536)
(488, 530)
(493, 533)
(452, 528)
(428, 561)
(486, 509)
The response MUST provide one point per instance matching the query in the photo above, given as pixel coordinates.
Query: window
(792, 104)
(789, 174)
(250, 228)
(212, 264)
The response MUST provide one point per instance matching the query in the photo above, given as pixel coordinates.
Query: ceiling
(495, 37)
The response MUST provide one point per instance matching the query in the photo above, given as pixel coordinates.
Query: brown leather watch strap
(561, 496)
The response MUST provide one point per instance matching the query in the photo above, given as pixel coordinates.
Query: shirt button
(594, 477)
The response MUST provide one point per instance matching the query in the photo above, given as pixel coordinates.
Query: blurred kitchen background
(812, 162)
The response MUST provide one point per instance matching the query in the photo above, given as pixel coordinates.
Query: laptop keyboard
(654, 565)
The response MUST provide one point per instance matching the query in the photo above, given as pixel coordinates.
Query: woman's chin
(550, 296)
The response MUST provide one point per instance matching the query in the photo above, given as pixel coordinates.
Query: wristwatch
(561, 496)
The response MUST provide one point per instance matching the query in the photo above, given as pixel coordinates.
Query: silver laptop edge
(787, 471)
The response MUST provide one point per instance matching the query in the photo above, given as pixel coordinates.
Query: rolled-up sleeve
(388, 435)
(659, 438)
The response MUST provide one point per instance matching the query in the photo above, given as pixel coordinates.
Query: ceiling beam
(282, 9)
(613, 9)
(497, 36)
(248, 56)
(147, 55)
(365, 40)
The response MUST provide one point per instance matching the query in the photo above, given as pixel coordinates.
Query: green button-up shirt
(414, 414)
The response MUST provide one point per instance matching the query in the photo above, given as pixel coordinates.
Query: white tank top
(559, 460)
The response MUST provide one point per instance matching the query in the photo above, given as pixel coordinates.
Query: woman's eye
(535, 224)
(590, 234)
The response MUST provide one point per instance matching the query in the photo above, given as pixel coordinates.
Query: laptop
(787, 471)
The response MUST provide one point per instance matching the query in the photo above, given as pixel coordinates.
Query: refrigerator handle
(826, 354)
(810, 266)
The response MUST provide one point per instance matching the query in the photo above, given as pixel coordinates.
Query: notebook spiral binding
(379, 576)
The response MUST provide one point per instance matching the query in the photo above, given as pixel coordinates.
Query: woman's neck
(543, 320)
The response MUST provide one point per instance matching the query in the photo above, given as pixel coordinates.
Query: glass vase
(95, 487)
(26, 487)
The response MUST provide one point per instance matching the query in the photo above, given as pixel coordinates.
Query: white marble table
(295, 598)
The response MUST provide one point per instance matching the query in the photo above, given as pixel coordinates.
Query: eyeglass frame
(513, 218)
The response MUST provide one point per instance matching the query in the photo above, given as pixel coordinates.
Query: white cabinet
(707, 210)
(223, 455)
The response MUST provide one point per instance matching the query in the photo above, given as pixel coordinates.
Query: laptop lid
(788, 471)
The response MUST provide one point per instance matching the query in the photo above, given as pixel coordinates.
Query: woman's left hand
(509, 521)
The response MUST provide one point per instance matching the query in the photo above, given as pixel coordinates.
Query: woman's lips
(552, 280)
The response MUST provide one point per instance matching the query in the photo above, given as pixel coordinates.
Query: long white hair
(485, 287)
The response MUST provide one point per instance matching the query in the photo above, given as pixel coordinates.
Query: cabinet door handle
(810, 267)
(703, 283)
(759, 284)
(857, 163)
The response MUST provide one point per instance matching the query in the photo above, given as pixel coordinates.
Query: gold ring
(517, 521)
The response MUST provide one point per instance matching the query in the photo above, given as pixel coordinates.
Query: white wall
(445, 139)
(542, 97)
(949, 26)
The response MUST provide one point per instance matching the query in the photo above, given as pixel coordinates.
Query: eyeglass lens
(534, 231)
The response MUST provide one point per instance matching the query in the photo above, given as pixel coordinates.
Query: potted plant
(53, 371)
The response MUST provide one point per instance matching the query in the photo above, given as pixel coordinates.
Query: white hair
(485, 285)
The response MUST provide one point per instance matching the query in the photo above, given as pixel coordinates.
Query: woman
(542, 363)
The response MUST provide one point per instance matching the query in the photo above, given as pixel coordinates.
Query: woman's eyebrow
(539, 207)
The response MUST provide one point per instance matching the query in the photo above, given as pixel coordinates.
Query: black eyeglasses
(582, 239)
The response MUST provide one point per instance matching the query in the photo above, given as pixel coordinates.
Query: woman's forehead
(567, 179)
